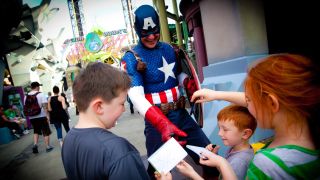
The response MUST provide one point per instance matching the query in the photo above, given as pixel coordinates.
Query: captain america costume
(160, 82)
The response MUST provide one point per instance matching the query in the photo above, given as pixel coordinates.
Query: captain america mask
(146, 21)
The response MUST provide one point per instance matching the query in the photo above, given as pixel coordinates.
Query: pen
(213, 146)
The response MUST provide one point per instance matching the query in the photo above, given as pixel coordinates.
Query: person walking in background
(49, 95)
(77, 111)
(90, 151)
(39, 121)
(57, 109)
(67, 103)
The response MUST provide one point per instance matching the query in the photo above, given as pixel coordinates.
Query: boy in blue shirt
(90, 151)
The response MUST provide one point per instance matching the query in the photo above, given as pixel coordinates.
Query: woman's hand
(203, 95)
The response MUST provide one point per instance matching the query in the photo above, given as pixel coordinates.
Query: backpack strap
(136, 55)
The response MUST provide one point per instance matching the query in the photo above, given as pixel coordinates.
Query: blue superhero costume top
(161, 72)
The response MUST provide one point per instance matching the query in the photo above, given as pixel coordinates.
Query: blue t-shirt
(96, 153)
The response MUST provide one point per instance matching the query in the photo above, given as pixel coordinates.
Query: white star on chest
(167, 69)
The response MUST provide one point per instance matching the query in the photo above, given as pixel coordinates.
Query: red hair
(294, 81)
(239, 115)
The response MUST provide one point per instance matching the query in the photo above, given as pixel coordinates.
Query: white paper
(198, 149)
(167, 156)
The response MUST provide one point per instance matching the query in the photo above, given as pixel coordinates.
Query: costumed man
(155, 89)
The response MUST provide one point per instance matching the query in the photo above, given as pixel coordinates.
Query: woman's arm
(63, 101)
(206, 95)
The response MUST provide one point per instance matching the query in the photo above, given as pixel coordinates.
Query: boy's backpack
(31, 106)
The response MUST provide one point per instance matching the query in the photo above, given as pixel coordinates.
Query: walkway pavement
(18, 162)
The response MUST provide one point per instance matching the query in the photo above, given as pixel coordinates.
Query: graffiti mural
(82, 50)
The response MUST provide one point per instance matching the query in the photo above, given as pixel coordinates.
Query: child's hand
(213, 148)
(187, 170)
(210, 159)
(214, 160)
(162, 176)
(184, 168)
(203, 95)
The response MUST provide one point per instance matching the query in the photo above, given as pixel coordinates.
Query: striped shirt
(285, 162)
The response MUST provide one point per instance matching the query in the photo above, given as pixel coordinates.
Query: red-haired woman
(282, 91)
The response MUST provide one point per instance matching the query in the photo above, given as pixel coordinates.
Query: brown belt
(166, 107)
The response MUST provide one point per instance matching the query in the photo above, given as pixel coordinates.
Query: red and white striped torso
(170, 95)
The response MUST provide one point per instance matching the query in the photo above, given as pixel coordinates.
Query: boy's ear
(96, 105)
(273, 102)
(246, 134)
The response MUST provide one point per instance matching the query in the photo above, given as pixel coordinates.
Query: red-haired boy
(236, 126)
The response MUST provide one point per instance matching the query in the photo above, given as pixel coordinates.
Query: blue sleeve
(131, 68)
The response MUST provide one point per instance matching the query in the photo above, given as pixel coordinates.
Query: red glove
(164, 125)
(190, 86)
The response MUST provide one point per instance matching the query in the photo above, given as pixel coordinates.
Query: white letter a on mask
(148, 22)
